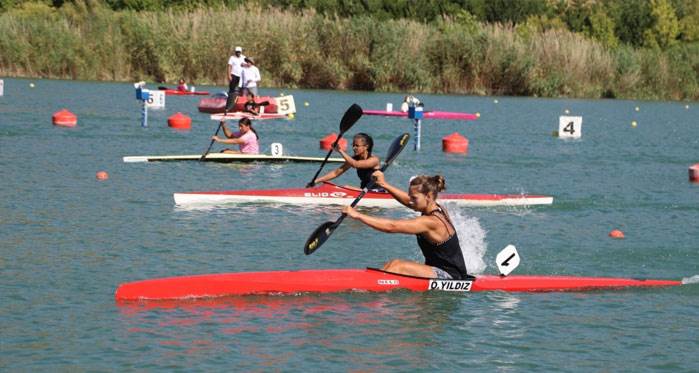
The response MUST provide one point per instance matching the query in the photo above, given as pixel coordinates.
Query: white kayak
(331, 194)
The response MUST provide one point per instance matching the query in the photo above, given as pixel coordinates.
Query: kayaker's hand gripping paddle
(323, 232)
(351, 117)
(223, 119)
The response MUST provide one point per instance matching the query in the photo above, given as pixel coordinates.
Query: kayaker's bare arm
(421, 224)
(370, 163)
(399, 195)
(228, 141)
(334, 173)
(226, 131)
(228, 73)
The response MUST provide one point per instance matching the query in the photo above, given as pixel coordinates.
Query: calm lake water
(67, 240)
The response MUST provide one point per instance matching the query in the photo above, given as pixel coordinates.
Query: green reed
(88, 41)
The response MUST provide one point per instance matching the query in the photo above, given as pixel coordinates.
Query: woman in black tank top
(363, 161)
(435, 232)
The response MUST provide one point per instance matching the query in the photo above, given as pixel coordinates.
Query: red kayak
(331, 194)
(365, 280)
(239, 115)
(174, 92)
(447, 115)
(217, 104)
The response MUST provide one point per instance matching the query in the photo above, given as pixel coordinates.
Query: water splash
(690, 280)
(471, 238)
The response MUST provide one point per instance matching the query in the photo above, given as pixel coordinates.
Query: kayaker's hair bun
(429, 184)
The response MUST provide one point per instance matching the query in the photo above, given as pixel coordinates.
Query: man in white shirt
(235, 68)
(250, 76)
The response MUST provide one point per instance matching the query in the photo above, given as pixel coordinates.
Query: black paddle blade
(396, 147)
(318, 237)
(351, 117)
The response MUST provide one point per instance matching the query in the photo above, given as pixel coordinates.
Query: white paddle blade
(507, 260)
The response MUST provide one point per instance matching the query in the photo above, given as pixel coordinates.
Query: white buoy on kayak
(507, 260)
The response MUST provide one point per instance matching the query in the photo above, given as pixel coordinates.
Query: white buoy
(569, 127)
(389, 106)
(276, 149)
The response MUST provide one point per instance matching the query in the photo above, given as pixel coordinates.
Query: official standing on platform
(235, 68)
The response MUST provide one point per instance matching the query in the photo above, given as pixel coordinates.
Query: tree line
(575, 48)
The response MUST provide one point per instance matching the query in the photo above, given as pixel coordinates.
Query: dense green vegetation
(576, 48)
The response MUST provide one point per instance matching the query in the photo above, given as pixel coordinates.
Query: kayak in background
(217, 104)
(364, 280)
(277, 155)
(332, 194)
(426, 115)
(239, 115)
(177, 92)
(227, 158)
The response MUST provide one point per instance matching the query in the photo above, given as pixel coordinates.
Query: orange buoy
(102, 175)
(179, 121)
(455, 143)
(616, 234)
(327, 142)
(694, 173)
(64, 118)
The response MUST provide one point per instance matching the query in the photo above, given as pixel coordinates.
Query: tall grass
(85, 40)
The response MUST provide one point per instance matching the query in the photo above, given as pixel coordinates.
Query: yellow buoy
(31, 85)
(567, 111)
(633, 123)
(291, 116)
(306, 103)
(637, 108)
(478, 115)
(495, 101)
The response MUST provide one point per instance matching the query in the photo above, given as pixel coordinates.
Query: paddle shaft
(323, 232)
(350, 117)
(327, 156)
(220, 124)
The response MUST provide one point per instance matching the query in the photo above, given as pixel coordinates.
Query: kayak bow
(367, 280)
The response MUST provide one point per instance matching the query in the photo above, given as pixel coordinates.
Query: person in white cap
(235, 67)
(250, 77)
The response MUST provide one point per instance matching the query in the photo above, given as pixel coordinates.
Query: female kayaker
(246, 138)
(435, 232)
(182, 86)
(363, 161)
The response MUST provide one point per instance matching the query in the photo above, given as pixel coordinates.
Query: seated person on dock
(409, 101)
(363, 161)
(246, 138)
(252, 107)
(182, 86)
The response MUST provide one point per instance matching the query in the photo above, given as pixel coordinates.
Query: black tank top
(444, 255)
(364, 175)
